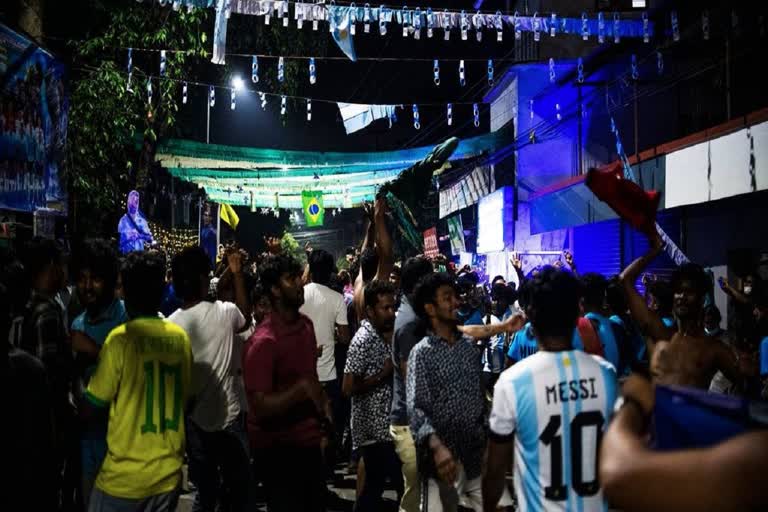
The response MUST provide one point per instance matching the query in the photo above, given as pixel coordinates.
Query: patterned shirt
(44, 335)
(445, 397)
(367, 355)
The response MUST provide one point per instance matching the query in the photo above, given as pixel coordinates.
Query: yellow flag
(228, 215)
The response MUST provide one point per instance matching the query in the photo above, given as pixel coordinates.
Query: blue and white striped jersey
(555, 405)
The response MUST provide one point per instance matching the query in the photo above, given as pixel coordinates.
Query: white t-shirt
(555, 406)
(211, 328)
(325, 308)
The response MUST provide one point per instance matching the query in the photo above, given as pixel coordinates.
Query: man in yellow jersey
(143, 374)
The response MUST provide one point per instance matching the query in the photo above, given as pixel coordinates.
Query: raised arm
(508, 326)
(647, 320)
(732, 292)
(517, 264)
(383, 241)
(235, 261)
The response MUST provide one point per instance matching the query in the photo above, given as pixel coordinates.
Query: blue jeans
(103, 502)
(219, 466)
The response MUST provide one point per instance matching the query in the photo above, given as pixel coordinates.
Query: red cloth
(276, 357)
(626, 198)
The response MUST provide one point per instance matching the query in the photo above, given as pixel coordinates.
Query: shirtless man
(377, 259)
(682, 355)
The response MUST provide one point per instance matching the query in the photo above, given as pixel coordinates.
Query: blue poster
(33, 125)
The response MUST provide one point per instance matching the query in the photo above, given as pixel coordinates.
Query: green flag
(312, 201)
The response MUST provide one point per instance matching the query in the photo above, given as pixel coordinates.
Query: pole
(208, 122)
(579, 126)
(173, 205)
(218, 229)
(728, 75)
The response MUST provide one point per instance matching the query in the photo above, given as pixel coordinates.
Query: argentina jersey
(555, 406)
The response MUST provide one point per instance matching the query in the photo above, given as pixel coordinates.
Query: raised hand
(273, 244)
(235, 260)
(568, 259)
(308, 247)
(516, 261)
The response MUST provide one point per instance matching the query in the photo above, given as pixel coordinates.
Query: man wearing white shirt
(217, 444)
(328, 312)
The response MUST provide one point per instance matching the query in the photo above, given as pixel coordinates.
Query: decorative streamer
(416, 122)
(299, 19)
(430, 23)
(417, 23)
(163, 62)
(464, 23)
(450, 114)
(552, 75)
(352, 19)
(646, 32)
(536, 27)
(149, 92)
(130, 69)
(600, 28)
(263, 98)
(499, 24)
(184, 93)
(281, 70)
(404, 16)
(315, 24)
(462, 75)
(367, 18)
(312, 71)
(436, 72)
(490, 72)
(267, 15)
(705, 24)
(476, 114)
(233, 99)
(616, 25)
(635, 72)
(675, 26)
(284, 14)
(382, 22)
(516, 24)
(477, 21)
(283, 104)
(553, 25)
(584, 27)
(309, 110)
(580, 71)
(660, 62)
(211, 96)
(447, 25)
(255, 69)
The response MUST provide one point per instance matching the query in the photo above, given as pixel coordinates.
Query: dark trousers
(294, 478)
(340, 407)
(219, 466)
(381, 462)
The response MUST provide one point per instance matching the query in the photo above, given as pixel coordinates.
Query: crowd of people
(262, 375)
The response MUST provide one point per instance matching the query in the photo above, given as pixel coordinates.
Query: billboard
(495, 224)
(33, 125)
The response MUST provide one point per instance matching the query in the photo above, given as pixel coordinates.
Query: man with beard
(368, 380)
(683, 355)
(96, 270)
(287, 404)
(446, 403)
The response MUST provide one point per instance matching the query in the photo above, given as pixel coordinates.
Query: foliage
(289, 245)
(113, 130)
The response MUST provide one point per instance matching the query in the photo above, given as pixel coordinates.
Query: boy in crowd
(143, 375)
(96, 270)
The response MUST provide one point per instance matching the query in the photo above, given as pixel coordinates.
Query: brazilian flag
(312, 201)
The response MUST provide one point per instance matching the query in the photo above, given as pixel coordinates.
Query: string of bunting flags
(343, 20)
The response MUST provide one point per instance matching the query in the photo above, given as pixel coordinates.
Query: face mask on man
(712, 332)
(747, 290)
